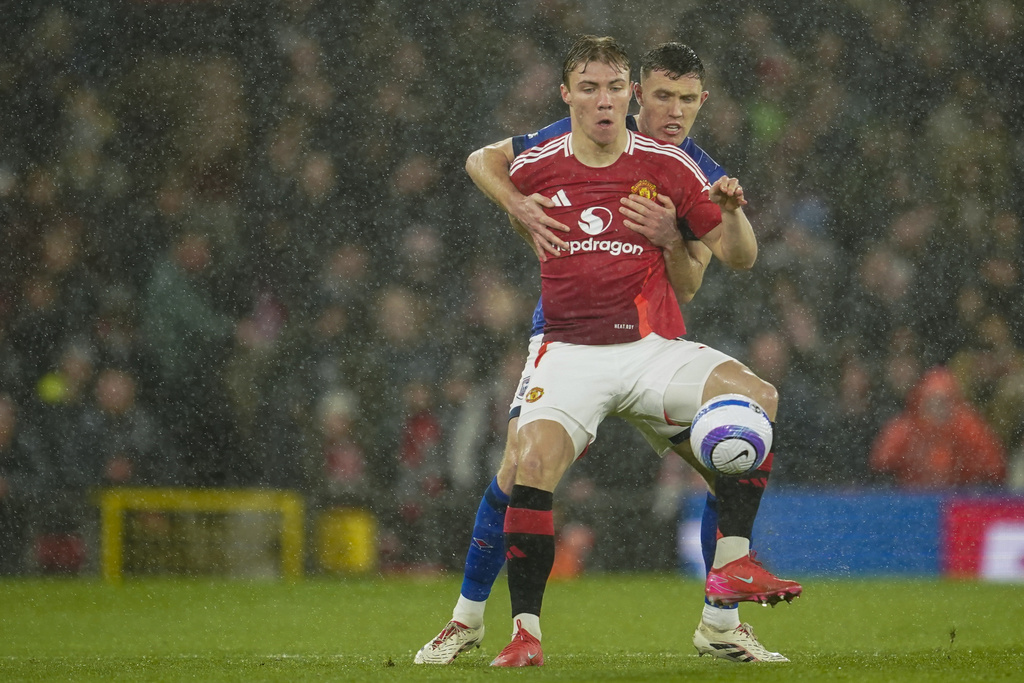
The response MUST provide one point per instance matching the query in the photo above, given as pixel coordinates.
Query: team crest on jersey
(646, 189)
(534, 395)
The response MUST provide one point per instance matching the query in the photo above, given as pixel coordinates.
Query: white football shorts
(578, 386)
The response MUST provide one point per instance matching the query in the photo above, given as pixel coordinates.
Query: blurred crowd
(240, 248)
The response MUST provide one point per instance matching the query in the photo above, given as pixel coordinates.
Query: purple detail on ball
(720, 434)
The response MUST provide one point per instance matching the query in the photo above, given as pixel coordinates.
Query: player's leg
(708, 374)
(720, 632)
(546, 451)
(486, 554)
(735, 575)
(738, 503)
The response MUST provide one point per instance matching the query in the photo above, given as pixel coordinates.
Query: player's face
(668, 106)
(598, 97)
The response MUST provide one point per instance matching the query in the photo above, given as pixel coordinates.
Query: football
(731, 434)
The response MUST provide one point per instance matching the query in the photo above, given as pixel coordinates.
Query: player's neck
(591, 153)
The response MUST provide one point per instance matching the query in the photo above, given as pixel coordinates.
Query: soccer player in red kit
(610, 342)
(670, 94)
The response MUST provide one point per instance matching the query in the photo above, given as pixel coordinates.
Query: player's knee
(533, 469)
(763, 393)
(735, 378)
(767, 396)
(545, 452)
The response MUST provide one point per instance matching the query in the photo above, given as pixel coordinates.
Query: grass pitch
(601, 628)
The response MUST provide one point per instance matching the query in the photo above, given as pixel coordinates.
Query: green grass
(602, 628)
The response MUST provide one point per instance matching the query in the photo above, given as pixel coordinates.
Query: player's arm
(732, 241)
(685, 260)
(489, 167)
(686, 268)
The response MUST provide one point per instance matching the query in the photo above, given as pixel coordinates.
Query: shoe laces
(752, 557)
(747, 629)
(521, 633)
(452, 628)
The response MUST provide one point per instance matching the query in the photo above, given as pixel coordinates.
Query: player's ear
(638, 93)
(566, 95)
(704, 97)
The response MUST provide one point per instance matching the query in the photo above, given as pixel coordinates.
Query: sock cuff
(734, 605)
(523, 521)
(729, 549)
(720, 618)
(529, 498)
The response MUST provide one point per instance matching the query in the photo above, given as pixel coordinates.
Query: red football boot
(745, 580)
(524, 650)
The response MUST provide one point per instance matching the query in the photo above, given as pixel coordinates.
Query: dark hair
(676, 59)
(588, 49)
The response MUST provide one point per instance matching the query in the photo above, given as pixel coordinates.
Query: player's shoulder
(645, 145)
(711, 168)
(665, 157)
(539, 152)
(521, 143)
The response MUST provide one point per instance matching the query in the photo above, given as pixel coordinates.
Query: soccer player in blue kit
(670, 95)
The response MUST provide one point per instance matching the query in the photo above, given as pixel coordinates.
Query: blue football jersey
(521, 143)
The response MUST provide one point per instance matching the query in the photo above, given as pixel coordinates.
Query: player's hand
(727, 193)
(527, 213)
(655, 220)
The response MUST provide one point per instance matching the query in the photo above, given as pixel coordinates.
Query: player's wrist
(674, 246)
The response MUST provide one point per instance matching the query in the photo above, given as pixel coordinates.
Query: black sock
(530, 547)
(740, 497)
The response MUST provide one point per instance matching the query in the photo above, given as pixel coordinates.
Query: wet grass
(602, 628)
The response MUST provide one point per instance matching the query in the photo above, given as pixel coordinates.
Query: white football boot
(454, 639)
(737, 645)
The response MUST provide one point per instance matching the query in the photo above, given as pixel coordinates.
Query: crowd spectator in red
(939, 440)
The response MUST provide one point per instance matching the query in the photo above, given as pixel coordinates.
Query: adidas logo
(561, 199)
(514, 552)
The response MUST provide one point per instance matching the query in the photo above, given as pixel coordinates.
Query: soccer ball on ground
(731, 434)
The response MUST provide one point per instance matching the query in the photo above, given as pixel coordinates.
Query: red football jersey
(611, 286)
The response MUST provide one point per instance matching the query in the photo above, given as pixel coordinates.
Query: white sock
(528, 622)
(469, 612)
(730, 548)
(721, 618)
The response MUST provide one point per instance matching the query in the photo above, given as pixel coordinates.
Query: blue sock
(486, 554)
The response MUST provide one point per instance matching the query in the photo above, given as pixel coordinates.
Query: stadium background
(240, 250)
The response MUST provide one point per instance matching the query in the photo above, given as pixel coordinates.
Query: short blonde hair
(586, 49)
